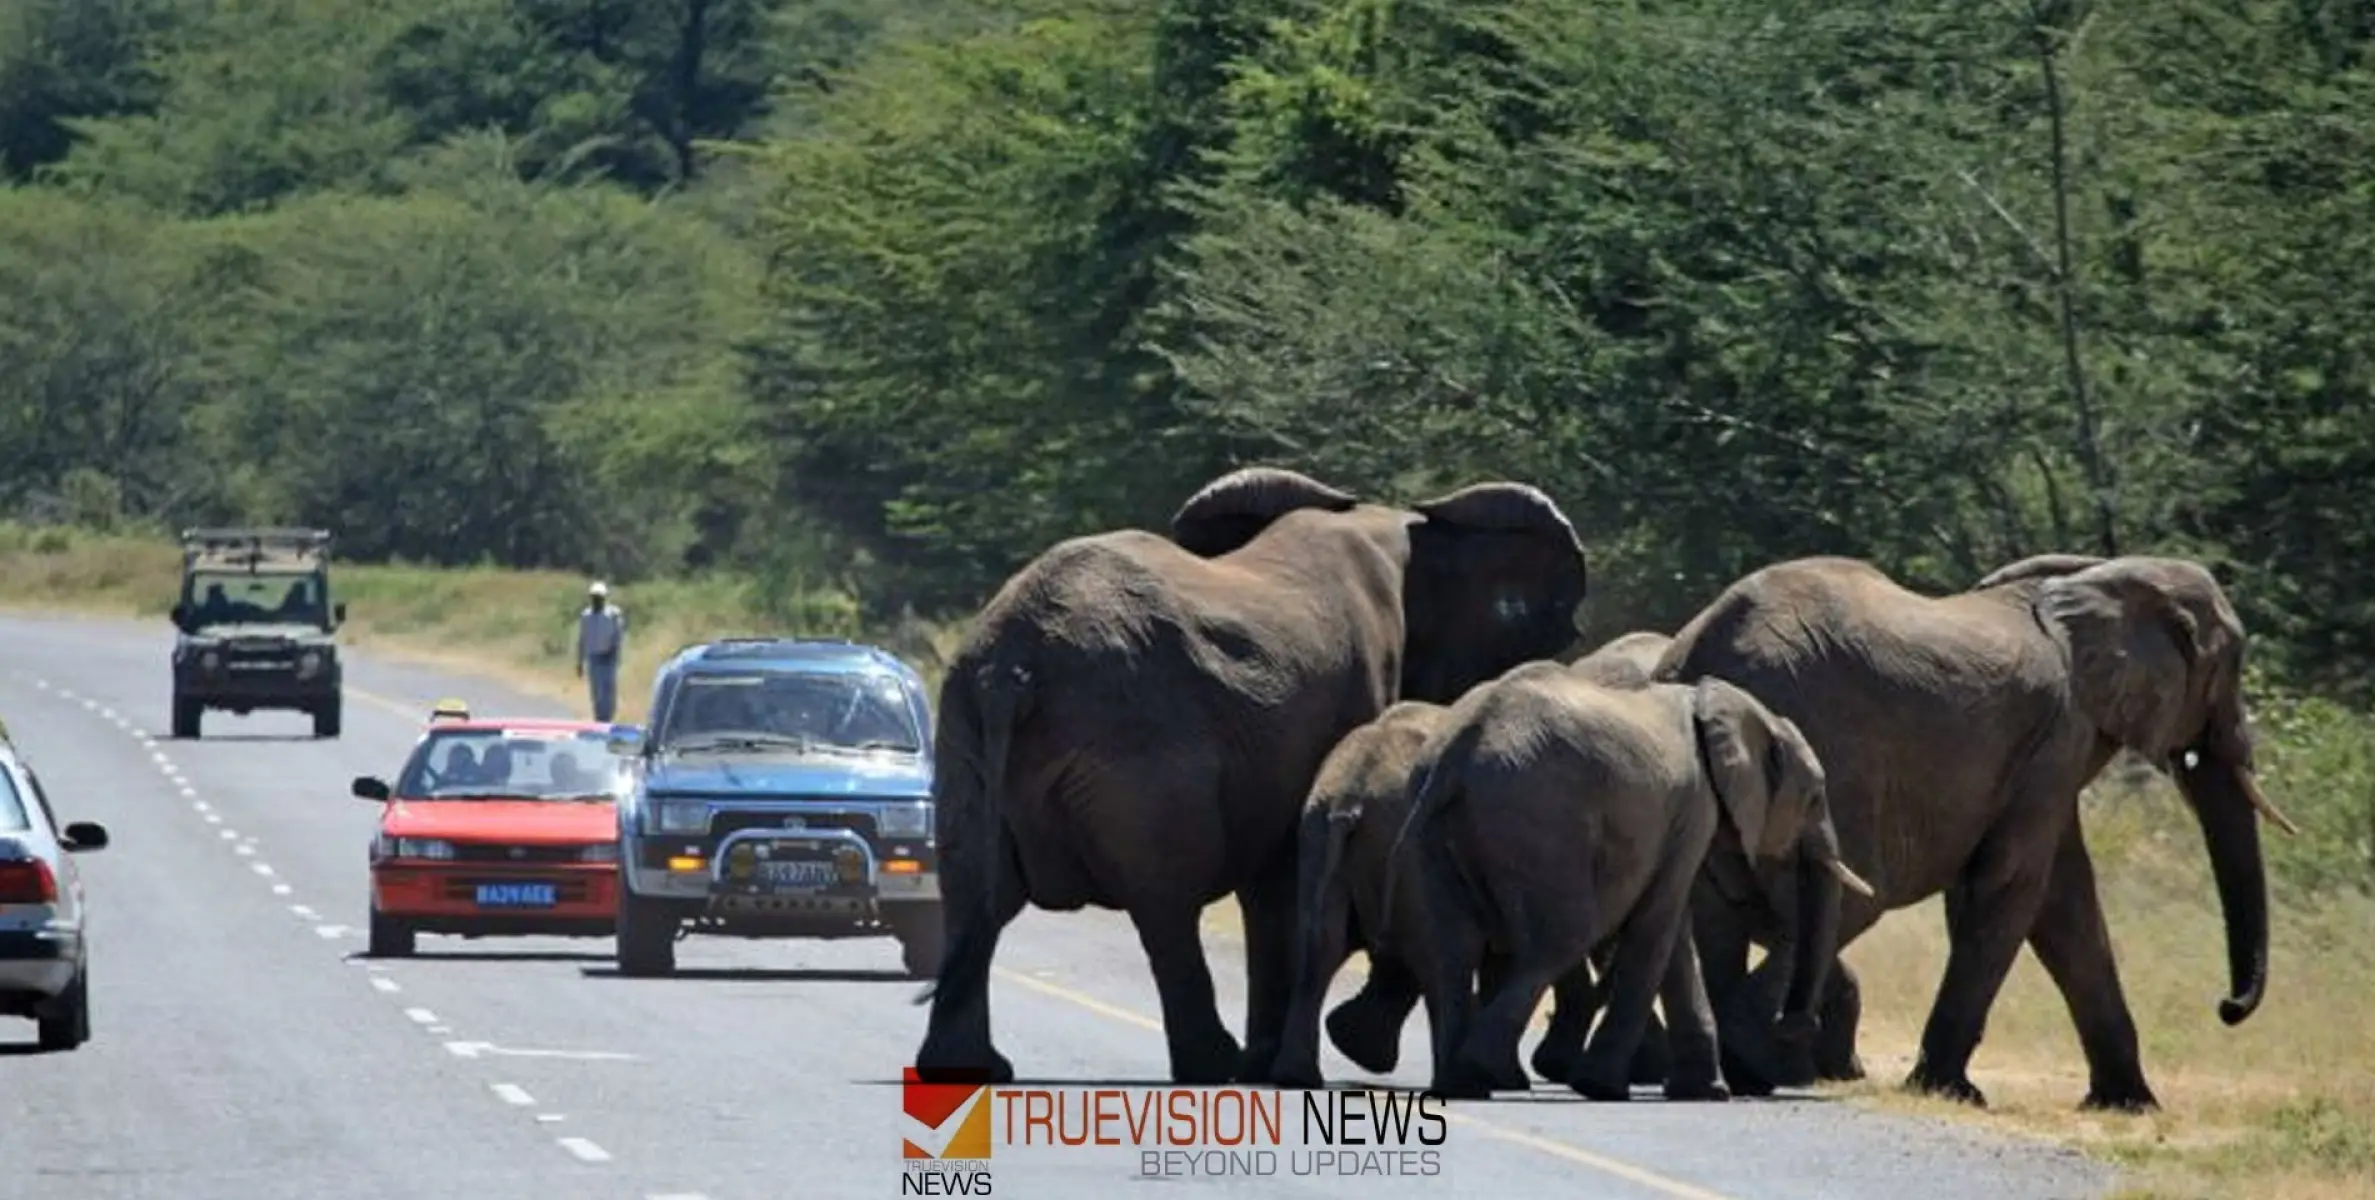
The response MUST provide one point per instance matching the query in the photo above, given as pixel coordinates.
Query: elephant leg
(2070, 939)
(1267, 907)
(1835, 1058)
(1367, 1027)
(1645, 942)
(1452, 950)
(1721, 941)
(1574, 1001)
(1492, 977)
(1324, 943)
(1694, 1073)
(957, 1046)
(1202, 1050)
(1751, 1046)
(2001, 891)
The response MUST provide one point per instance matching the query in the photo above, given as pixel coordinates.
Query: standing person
(601, 634)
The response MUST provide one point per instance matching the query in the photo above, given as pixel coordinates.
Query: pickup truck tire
(646, 939)
(69, 1024)
(920, 940)
(326, 717)
(390, 938)
(186, 715)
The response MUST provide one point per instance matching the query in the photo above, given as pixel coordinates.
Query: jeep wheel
(920, 940)
(646, 939)
(185, 717)
(326, 717)
(70, 1026)
(390, 938)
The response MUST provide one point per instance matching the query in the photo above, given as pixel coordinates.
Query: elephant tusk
(1849, 879)
(2268, 809)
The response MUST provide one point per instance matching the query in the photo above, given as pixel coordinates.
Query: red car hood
(530, 822)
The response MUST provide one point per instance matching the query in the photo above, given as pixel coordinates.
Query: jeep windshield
(265, 598)
(787, 711)
(513, 764)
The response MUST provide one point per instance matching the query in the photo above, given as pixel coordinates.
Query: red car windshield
(513, 763)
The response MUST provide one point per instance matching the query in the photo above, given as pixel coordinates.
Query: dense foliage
(892, 293)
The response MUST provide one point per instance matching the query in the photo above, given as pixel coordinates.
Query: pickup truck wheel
(70, 1025)
(186, 714)
(390, 938)
(920, 942)
(646, 939)
(326, 718)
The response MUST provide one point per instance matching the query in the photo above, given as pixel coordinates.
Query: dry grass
(2282, 1106)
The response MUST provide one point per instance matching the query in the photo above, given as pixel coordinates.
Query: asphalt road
(243, 1046)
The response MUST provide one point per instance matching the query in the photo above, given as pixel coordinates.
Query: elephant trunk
(2225, 799)
(1815, 938)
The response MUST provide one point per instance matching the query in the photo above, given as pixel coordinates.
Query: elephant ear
(2137, 656)
(1235, 508)
(1739, 752)
(1496, 578)
(2039, 566)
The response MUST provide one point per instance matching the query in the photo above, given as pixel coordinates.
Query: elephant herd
(1365, 723)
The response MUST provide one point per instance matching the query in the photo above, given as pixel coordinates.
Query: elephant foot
(1258, 1063)
(1744, 1078)
(1508, 1076)
(933, 1066)
(1710, 1091)
(1208, 1060)
(1959, 1088)
(1460, 1085)
(1361, 1031)
(1553, 1063)
(1848, 1070)
(1651, 1062)
(1606, 1091)
(2132, 1097)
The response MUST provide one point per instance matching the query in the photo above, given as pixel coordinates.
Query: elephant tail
(982, 703)
(1438, 783)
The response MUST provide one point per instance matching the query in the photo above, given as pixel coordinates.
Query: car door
(69, 907)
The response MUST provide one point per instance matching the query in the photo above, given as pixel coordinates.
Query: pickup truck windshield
(807, 711)
(270, 598)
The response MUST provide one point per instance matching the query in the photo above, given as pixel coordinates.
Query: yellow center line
(1556, 1149)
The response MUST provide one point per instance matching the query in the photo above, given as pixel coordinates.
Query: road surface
(244, 1047)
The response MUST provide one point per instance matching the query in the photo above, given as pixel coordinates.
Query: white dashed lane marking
(264, 869)
(385, 984)
(421, 1015)
(585, 1151)
(512, 1094)
(280, 889)
(304, 911)
(330, 931)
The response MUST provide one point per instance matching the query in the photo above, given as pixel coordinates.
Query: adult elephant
(1956, 733)
(1134, 723)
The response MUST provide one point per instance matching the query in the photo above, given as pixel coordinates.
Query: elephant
(1356, 803)
(1555, 815)
(1134, 723)
(1956, 733)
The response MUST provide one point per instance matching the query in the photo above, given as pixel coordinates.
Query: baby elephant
(1554, 816)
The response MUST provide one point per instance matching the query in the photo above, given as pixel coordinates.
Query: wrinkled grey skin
(1556, 815)
(1134, 723)
(1956, 733)
(1355, 810)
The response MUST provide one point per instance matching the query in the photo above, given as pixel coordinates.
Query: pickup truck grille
(735, 822)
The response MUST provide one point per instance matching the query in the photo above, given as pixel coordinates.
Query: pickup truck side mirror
(338, 614)
(626, 741)
(83, 836)
(371, 787)
(181, 617)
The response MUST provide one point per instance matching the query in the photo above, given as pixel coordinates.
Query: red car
(497, 827)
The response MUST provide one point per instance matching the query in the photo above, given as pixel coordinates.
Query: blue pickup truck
(781, 788)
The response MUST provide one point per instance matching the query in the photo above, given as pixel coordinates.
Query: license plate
(515, 895)
(799, 873)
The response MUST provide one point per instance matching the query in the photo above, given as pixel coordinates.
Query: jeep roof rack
(253, 547)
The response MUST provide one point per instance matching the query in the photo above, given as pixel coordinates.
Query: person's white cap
(599, 589)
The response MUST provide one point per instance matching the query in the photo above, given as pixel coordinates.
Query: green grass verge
(2283, 1105)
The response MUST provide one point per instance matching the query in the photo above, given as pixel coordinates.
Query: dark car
(783, 790)
(256, 620)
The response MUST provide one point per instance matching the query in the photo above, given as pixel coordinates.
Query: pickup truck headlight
(680, 816)
(209, 661)
(309, 664)
(906, 820)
